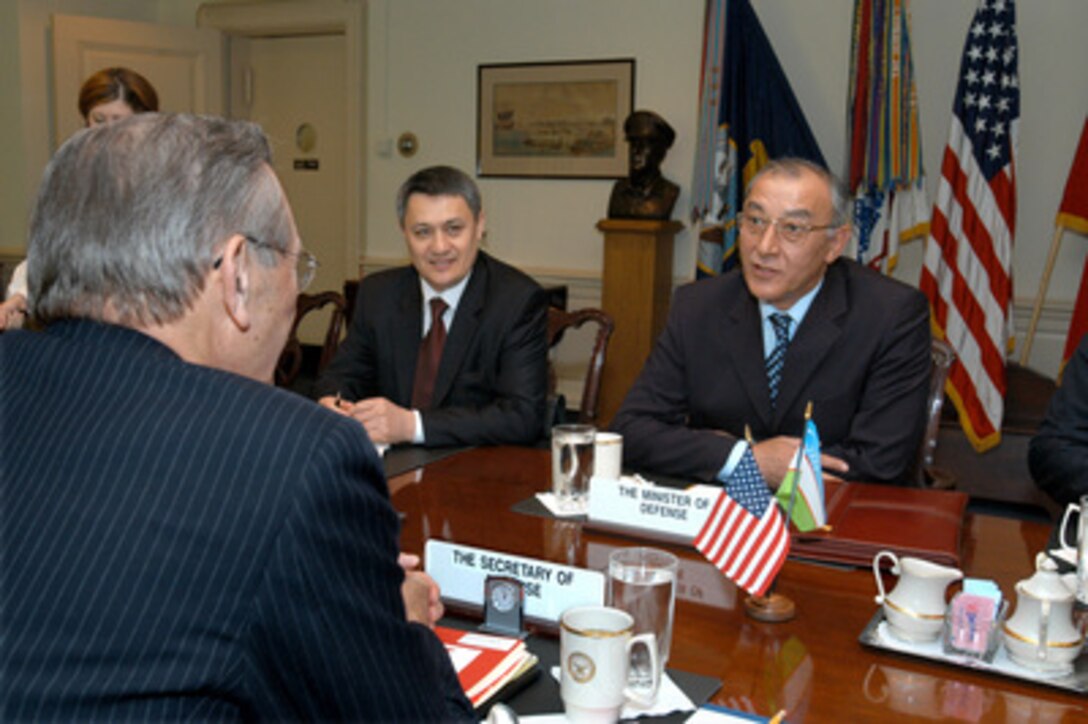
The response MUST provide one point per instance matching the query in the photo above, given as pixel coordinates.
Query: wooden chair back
(559, 321)
(942, 356)
(290, 362)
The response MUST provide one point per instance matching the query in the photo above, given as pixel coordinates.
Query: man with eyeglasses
(181, 539)
(451, 349)
(795, 324)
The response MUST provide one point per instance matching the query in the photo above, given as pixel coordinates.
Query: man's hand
(13, 312)
(422, 597)
(385, 422)
(334, 403)
(775, 454)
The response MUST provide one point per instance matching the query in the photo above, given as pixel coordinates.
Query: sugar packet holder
(972, 625)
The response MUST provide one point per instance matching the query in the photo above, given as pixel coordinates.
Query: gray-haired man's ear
(234, 280)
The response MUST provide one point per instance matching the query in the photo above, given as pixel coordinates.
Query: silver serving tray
(875, 636)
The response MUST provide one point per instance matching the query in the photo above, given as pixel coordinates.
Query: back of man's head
(129, 216)
(439, 181)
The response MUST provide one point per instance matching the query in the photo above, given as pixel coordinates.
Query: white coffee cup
(608, 455)
(596, 646)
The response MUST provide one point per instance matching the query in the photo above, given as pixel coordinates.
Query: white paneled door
(184, 64)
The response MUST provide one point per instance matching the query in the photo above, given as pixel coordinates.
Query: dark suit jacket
(1058, 456)
(492, 381)
(183, 543)
(861, 355)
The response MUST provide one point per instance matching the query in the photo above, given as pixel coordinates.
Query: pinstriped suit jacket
(180, 542)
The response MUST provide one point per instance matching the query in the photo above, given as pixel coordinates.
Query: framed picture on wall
(557, 120)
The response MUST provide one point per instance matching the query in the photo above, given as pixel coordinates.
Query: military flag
(885, 176)
(756, 118)
(1073, 215)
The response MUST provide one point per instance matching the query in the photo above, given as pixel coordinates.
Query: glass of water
(642, 582)
(572, 465)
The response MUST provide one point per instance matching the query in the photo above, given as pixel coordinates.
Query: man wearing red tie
(452, 349)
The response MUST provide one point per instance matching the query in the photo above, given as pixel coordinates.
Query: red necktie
(430, 354)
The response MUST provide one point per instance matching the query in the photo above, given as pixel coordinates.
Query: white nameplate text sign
(549, 588)
(635, 503)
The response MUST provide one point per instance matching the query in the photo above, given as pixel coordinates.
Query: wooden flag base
(774, 608)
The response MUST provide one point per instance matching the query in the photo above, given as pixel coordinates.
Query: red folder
(865, 519)
(485, 662)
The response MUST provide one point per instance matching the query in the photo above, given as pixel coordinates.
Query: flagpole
(1044, 284)
(774, 607)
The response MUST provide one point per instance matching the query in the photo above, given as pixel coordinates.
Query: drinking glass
(572, 465)
(642, 582)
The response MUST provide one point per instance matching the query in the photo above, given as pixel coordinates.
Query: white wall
(423, 56)
(423, 63)
(423, 59)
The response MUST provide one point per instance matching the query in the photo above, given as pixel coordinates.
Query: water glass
(642, 582)
(572, 465)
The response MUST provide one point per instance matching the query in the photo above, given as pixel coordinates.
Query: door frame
(314, 17)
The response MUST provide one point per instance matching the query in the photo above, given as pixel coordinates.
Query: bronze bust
(645, 193)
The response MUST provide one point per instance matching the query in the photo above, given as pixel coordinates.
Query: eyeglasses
(787, 229)
(305, 263)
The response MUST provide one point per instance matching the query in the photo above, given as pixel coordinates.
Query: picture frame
(561, 119)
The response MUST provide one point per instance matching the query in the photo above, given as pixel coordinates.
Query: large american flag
(744, 535)
(967, 273)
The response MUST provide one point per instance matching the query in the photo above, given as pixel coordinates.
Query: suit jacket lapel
(466, 322)
(818, 334)
(406, 335)
(743, 325)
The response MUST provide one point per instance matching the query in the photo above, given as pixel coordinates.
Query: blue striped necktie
(777, 359)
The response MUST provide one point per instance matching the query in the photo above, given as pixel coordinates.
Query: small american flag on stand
(744, 535)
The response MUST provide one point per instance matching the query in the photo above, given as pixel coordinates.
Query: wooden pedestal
(636, 292)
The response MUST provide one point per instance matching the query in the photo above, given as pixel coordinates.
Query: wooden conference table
(812, 666)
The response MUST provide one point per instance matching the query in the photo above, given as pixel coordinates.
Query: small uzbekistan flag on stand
(809, 510)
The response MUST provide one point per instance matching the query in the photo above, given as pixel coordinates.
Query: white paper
(670, 698)
(549, 501)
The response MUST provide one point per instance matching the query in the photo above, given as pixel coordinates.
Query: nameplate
(549, 588)
(635, 504)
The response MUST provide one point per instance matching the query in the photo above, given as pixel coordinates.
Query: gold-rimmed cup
(596, 647)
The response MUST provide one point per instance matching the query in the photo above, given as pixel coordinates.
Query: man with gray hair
(181, 539)
(795, 324)
(452, 349)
